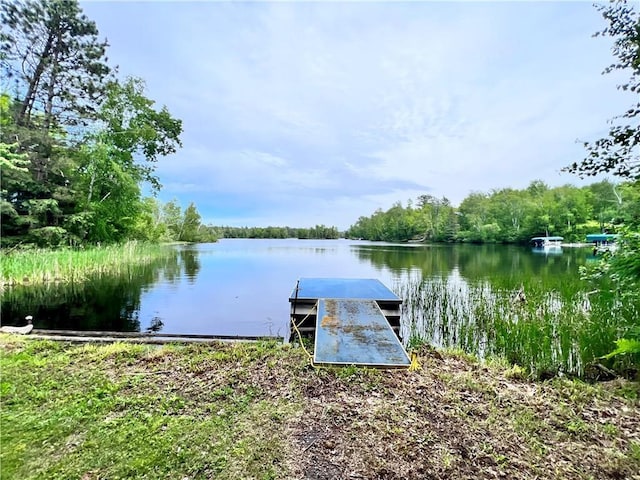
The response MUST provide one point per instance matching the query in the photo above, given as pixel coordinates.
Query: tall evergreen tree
(52, 51)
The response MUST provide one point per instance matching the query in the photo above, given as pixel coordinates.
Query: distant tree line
(508, 215)
(317, 232)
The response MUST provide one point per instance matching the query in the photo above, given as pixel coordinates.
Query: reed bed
(33, 267)
(547, 332)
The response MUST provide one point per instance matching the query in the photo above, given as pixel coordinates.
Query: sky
(305, 113)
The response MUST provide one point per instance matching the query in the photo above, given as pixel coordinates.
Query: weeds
(30, 267)
(552, 332)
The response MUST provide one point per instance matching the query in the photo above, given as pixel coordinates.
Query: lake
(455, 295)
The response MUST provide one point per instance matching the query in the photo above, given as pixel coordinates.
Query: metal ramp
(355, 332)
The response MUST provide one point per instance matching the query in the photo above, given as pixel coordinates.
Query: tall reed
(74, 265)
(546, 331)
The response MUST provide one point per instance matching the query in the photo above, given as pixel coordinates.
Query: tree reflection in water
(103, 302)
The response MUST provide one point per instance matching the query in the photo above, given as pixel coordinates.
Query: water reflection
(504, 265)
(454, 295)
(547, 251)
(190, 262)
(102, 302)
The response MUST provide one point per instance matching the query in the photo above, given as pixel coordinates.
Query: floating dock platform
(310, 290)
(354, 321)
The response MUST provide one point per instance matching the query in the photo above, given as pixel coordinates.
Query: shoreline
(258, 410)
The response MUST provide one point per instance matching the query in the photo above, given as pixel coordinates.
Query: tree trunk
(25, 110)
(48, 110)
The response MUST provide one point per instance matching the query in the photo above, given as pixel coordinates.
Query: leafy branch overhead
(619, 152)
(134, 129)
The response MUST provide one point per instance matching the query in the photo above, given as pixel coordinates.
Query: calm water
(454, 296)
(241, 287)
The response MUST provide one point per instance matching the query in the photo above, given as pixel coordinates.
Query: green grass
(258, 410)
(67, 265)
(129, 411)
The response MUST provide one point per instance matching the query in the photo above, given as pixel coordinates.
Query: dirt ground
(455, 419)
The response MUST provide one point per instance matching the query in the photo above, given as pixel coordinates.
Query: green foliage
(507, 215)
(317, 232)
(625, 346)
(48, 236)
(132, 127)
(52, 50)
(432, 220)
(11, 162)
(62, 185)
(617, 153)
(172, 216)
(616, 279)
(186, 226)
(190, 224)
(148, 223)
(13, 171)
(43, 266)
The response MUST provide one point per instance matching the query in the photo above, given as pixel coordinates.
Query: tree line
(317, 232)
(508, 215)
(77, 144)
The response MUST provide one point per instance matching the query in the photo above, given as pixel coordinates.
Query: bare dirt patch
(456, 419)
(260, 411)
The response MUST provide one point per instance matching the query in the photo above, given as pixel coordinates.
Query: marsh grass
(550, 332)
(67, 265)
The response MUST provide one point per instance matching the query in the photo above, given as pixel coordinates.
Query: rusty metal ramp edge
(355, 332)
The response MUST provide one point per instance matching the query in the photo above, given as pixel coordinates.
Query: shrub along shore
(258, 410)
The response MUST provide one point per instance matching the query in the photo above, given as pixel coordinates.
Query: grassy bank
(259, 411)
(69, 265)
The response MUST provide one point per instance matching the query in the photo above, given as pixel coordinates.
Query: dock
(354, 321)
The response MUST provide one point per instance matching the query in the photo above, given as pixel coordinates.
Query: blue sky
(301, 113)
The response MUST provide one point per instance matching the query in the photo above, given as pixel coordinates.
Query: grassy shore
(258, 410)
(69, 265)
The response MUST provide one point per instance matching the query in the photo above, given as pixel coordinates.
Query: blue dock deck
(352, 323)
(355, 332)
(361, 288)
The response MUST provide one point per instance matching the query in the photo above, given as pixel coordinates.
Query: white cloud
(327, 111)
